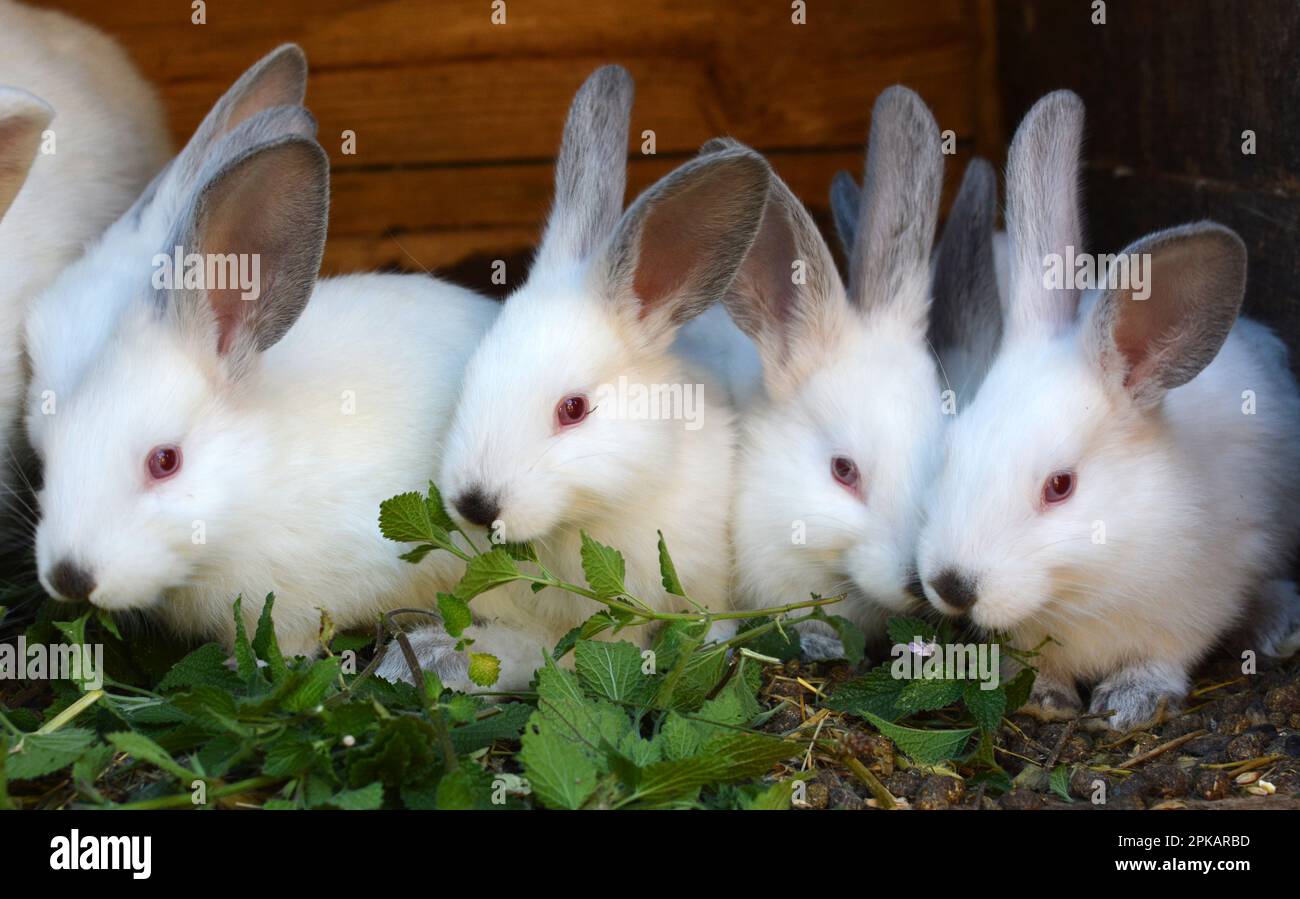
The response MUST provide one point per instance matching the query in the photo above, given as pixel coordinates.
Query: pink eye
(571, 410)
(163, 462)
(1058, 487)
(845, 470)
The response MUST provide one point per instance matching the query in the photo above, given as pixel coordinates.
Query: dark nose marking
(955, 589)
(72, 581)
(477, 507)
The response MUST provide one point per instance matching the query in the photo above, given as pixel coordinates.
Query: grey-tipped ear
(1170, 301)
(678, 247)
(788, 296)
(846, 198)
(899, 210)
(23, 118)
(720, 144)
(1044, 214)
(967, 312)
(277, 79)
(591, 171)
(262, 209)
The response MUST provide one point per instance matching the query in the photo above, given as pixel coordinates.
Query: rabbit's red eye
(164, 461)
(1058, 487)
(571, 410)
(845, 470)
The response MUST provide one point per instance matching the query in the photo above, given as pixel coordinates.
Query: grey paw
(820, 647)
(435, 650)
(1134, 702)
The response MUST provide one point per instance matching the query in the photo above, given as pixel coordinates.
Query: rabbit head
(835, 468)
(136, 421)
(1066, 434)
(538, 440)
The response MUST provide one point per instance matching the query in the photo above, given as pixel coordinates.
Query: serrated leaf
(668, 571)
(265, 645)
(204, 666)
(1060, 782)
(875, 693)
(926, 747)
(437, 511)
(455, 614)
(245, 658)
(485, 572)
(142, 748)
(415, 555)
(612, 670)
(484, 669)
(560, 773)
(905, 630)
(1018, 689)
(507, 724)
(42, 754)
(985, 706)
(603, 567)
(312, 687)
(723, 759)
(367, 798)
(405, 519)
(927, 694)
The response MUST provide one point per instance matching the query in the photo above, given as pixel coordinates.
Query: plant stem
(184, 799)
(86, 701)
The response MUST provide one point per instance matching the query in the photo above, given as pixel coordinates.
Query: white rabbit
(99, 128)
(1111, 486)
(542, 445)
(834, 468)
(204, 445)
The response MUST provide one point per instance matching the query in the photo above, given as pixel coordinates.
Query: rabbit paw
(1052, 700)
(1137, 696)
(820, 647)
(435, 650)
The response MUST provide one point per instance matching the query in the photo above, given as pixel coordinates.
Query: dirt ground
(1236, 744)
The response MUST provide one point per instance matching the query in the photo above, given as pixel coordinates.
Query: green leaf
(612, 670)
(43, 754)
(244, 655)
(468, 787)
(140, 747)
(668, 571)
(484, 669)
(455, 614)
(851, 636)
(204, 666)
(437, 511)
(561, 774)
(485, 572)
(506, 724)
(906, 630)
(312, 687)
(875, 693)
(1060, 782)
(985, 706)
(415, 555)
(926, 694)
(367, 798)
(724, 759)
(926, 747)
(1019, 688)
(405, 519)
(603, 567)
(265, 645)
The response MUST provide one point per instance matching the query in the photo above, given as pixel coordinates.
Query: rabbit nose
(954, 588)
(72, 581)
(477, 507)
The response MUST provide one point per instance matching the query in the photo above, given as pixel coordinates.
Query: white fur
(109, 140)
(1184, 508)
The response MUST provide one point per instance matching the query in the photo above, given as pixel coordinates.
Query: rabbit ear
(277, 79)
(591, 172)
(262, 204)
(1044, 218)
(899, 210)
(966, 303)
(788, 296)
(679, 245)
(1162, 329)
(846, 198)
(23, 118)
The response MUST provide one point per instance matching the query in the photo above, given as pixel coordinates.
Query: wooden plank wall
(457, 120)
(1170, 85)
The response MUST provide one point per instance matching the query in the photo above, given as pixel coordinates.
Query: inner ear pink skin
(572, 410)
(163, 462)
